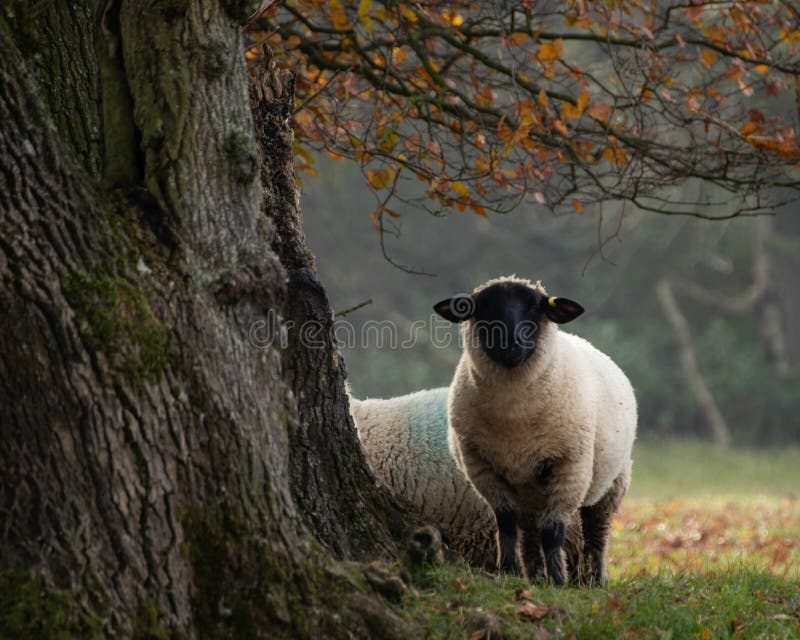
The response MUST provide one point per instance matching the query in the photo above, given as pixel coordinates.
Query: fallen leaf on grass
(615, 603)
(460, 585)
(487, 626)
(781, 616)
(736, 624)
(531, 610)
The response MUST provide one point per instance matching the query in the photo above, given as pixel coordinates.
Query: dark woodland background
(735, 283)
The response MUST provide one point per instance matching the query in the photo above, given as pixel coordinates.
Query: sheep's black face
(507, 317)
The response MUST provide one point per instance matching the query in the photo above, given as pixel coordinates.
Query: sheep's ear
(562, 310)
(456, 309)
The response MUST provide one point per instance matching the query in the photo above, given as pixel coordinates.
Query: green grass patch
(681, 468)
(706, 546)
(455, 601)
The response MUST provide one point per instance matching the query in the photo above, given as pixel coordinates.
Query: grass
(685, 468)
(454, 601)
(707, 545)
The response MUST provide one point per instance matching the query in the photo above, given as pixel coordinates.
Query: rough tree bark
(160, 474)
(325, 429)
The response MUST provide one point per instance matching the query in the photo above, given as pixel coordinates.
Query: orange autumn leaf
(708, 57)
(783, 146)
(600, 111)
(577, 205)
(517, 38)
(560, 127)
(479, 209)
(573, 111)
(615, 155)
(550, 51)
(542, 98)
(749, 127)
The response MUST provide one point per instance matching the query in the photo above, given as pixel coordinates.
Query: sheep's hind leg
(596, 523)
(573, 548)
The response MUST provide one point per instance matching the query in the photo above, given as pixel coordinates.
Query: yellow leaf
(388, 142)
(550, 51)
(338, 16)
(578, 206)
(407, 13)
(399, 54)
(454, 18)
(364, 7)
(380, 178)
(460, 188)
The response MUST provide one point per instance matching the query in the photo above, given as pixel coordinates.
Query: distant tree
(564, 103)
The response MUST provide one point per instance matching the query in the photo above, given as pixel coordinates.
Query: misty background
(747, 355)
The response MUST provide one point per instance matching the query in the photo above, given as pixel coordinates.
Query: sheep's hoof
(558, 579)
(510, 568)
(536, 574)
(556, 573)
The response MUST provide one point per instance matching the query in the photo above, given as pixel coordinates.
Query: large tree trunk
(161, 470)
(333, 502)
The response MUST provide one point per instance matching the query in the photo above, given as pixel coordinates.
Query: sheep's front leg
(500, 497)
(507, 562)
(532, 558)
(547, 502)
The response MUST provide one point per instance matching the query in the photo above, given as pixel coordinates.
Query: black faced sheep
(541, 423)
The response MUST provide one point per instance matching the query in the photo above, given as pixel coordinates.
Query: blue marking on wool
(427, 419)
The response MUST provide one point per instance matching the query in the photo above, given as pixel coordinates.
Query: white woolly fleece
(405, 442)
(568, 404)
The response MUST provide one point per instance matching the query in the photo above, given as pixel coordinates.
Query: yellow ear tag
(551, 301)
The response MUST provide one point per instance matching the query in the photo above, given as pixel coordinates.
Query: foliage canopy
(568, 103)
